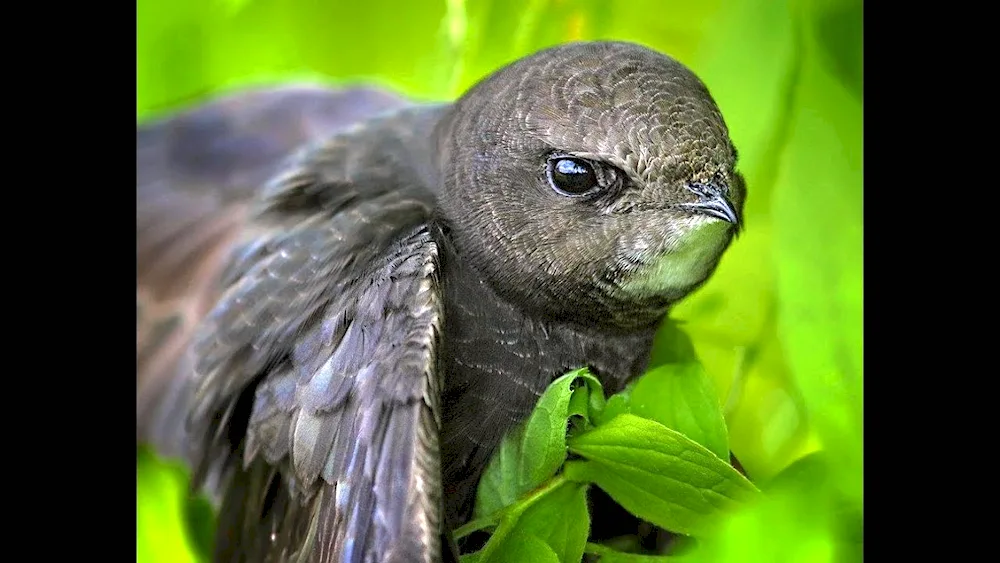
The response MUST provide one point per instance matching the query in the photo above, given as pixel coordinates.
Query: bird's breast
(498, 361)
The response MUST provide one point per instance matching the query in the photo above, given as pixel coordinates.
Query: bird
(346, 298)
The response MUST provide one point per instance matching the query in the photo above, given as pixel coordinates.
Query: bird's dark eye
(572, 176)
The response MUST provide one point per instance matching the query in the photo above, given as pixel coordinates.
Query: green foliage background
(778, 328)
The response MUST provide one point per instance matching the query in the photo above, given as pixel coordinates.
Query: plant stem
(598, 549)
(512, 511)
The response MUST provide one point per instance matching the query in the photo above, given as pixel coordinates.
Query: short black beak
(714, 202)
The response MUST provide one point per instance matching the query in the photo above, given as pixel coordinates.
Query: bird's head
(591, 181)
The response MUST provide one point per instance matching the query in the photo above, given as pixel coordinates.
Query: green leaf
(801, 517)
(595, 395)
(681, 397)
(561, 520)
(658, 474)
(579, 403)
(555, 515)
(671, 345)
(609, 555)
(579, 411)
(617, 404)
(533, 453)
(521, 547)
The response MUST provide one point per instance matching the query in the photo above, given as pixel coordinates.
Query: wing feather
(328, 331)
(196, 172)
(296, 326)
(349, 414)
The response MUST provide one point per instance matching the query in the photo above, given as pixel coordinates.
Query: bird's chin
(685, 263)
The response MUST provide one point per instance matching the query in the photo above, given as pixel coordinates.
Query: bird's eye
(572, 176)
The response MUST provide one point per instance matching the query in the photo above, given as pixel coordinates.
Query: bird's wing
(318, 382)
(195, 173)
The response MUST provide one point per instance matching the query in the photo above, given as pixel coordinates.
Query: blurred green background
(779, 327)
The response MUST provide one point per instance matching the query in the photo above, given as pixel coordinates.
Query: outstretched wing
(195, 173)
(318, 380)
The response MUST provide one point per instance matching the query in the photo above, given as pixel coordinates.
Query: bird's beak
(713, 202)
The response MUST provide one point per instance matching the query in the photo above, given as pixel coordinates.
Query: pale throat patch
(690, 261)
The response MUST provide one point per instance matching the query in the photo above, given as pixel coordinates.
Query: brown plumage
(351, 317)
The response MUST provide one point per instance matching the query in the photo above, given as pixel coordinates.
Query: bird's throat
(686, 265)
